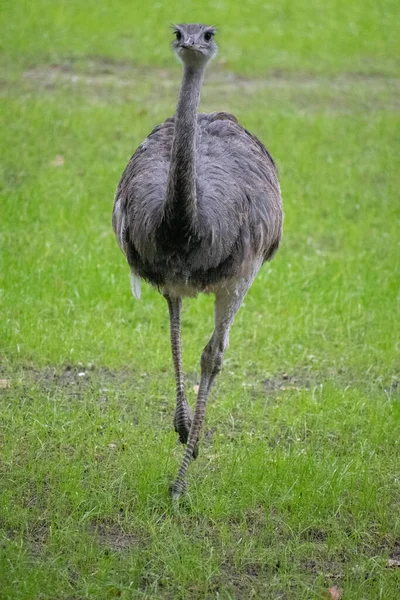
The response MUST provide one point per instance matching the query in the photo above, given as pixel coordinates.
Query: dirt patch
(395, 551)
(255, 519)
(286, 381)
(38, 538)
(105, 77)
(75, 380)
(315, 535)
(332, 571)
(71, 375)
(114, 537)
(98, 73)
(240, 583)
(98, 67)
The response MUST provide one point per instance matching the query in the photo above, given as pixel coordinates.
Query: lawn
(296, 488)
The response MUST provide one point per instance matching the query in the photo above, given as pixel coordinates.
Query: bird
(198, 209)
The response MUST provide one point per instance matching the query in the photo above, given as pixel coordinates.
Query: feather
(135, 285)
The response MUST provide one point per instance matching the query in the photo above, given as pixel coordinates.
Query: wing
(239, 192)
(140, 195)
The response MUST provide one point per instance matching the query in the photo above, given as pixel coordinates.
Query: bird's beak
(189, 43)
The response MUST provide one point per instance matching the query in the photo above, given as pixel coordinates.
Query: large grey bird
(198, 209)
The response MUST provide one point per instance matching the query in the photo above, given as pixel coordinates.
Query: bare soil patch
(97, 67)
(106, 77)
(395, 551)
(289, 381)
(114, 537)
(76, 379)
(38, 538)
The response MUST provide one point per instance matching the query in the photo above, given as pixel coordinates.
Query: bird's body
(198, 209)
(238, 199)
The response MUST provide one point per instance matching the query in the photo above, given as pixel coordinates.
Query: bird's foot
(177, 488)
(183, 422)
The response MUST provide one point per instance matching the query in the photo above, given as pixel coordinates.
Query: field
(295, 494)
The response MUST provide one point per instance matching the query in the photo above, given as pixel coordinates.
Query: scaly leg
(227, 303)
(183, 413)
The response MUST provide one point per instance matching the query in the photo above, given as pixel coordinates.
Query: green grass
(296, 488)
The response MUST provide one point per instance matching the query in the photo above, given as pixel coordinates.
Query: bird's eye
(178, 35)
(208, 36)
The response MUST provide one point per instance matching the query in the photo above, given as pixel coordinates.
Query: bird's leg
(227, 303)
(183, 413)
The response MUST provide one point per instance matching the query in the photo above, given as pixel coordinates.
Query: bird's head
(194, 44)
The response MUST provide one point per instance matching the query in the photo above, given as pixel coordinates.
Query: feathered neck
(181, 198)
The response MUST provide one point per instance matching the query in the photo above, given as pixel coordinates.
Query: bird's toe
(177, 488)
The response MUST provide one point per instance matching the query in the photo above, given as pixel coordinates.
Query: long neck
(181, 189)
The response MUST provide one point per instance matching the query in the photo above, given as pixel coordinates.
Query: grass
(296, 488)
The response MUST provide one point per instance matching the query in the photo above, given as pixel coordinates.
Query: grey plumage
(198, 208)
